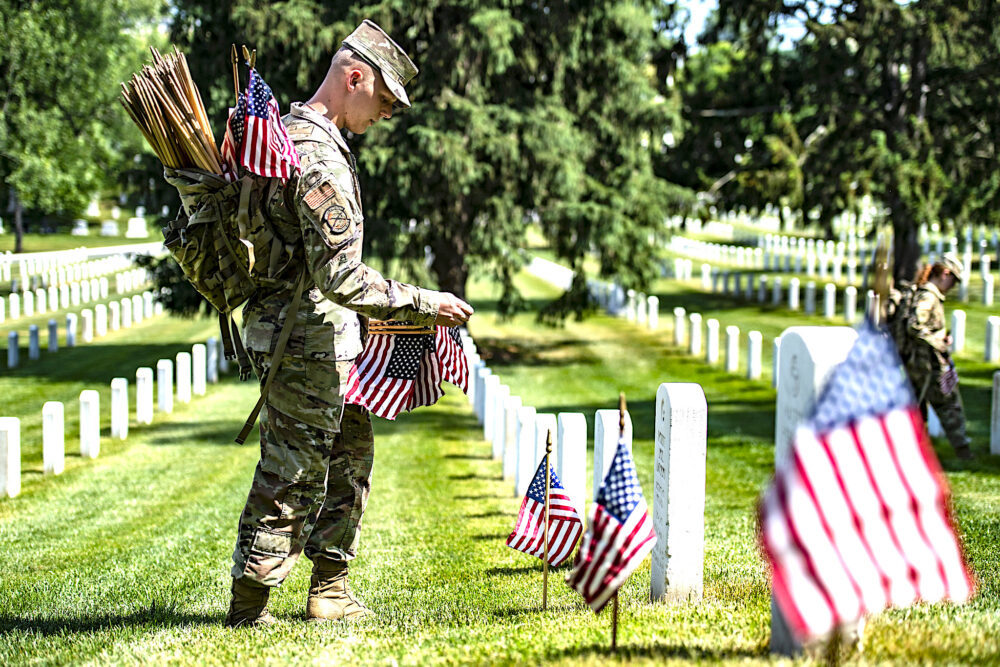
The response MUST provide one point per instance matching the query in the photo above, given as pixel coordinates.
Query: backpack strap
(279, 351)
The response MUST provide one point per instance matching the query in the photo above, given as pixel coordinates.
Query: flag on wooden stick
(856, 518)
(403, 371)
(255, 137)
(619, 537)
(565, 525)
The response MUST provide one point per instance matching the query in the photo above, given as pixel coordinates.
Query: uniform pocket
(271, 543)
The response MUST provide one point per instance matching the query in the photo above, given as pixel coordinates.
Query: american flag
(856, 518)
(620, 534)
(564, 523)
(255, 136)
(398, 372)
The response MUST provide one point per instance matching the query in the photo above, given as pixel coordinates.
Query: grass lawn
(126, 559)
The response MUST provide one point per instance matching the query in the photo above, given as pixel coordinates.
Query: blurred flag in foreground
(403, 371)
(856, 518)
(564, 523)
(255, 136)
(619, 537)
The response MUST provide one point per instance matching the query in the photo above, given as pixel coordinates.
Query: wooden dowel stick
(545, 524)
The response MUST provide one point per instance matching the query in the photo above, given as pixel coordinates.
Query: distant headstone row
(88, 325)
(41, 301)
(192, 370)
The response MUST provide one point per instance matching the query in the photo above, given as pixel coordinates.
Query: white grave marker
(119, 408)
(694, 340)
(808, 355)
(571, 458)
(679, 325)
(90, 423)
(755, 344)
(144, 395)
(606, 434)
(53, 438)
(679, 492)
(712, 341)
(199, 370)
(732, 349)
(512, 405)
(10, 456)
(165, 386)
(183, 375)
(524, 449)
(957, 331)
(992, 352)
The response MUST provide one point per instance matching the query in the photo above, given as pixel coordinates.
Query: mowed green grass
(126, 559)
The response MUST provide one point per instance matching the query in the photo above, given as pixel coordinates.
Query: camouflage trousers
(309, 490)
(948, 407)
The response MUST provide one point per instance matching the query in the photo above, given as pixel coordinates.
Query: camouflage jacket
(319, 213)
(928, 330)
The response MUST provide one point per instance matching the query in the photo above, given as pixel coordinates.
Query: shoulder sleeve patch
(328, 208)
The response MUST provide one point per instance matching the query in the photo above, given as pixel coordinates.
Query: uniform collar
(933, 289)
(302, 111)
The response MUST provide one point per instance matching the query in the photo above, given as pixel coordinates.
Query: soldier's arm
(332, 236)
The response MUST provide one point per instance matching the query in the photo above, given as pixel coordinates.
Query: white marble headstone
(606, 433)
(679, 492)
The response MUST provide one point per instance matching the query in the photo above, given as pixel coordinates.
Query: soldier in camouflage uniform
(929, 363)
(310, 488)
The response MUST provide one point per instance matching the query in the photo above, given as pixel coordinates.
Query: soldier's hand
(452, 311)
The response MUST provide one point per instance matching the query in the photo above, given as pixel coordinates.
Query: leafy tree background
(522, 113)
(63, 136)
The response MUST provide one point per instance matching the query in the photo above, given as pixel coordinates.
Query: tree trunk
(905, 245)
(18, 221)
(449, 265)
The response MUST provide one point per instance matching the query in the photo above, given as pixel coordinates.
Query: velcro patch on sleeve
(318, 196)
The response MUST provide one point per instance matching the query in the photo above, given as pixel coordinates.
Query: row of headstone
(771, 290)
(86, 326)
(62, 268)
(518, 433)
(183, 377)
(68, 295)
(814, 261)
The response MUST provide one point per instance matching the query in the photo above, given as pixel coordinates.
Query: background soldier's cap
(372, 43)
(952, 263)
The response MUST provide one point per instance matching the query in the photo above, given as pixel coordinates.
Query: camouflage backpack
(899, 310)
(226, 247)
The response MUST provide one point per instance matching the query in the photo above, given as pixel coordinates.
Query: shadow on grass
(508, 351)
(468, 457)
(97, 363)
(481, 496)
(662, 651)
(493, 536)
(490, 514)
(510, 571)
(57, 625)
(217, 432)
(472, 475)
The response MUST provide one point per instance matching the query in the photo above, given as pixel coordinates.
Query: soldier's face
(370, 100)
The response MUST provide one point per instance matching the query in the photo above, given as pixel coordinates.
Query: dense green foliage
(815, 105)
(520, 114)
(63, 136)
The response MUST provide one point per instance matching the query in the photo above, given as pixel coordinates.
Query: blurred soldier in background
(925, 346)
(311, 486)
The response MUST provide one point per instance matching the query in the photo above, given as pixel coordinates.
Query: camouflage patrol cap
(953, 264)
(372, 43)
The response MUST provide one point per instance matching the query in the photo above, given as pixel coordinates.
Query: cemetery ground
(125, 559)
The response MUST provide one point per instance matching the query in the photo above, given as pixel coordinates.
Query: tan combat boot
(248, 608)
(329, 597)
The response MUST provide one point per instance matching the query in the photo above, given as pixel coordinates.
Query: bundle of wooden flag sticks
(165, 103)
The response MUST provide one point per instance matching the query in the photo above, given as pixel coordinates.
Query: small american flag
(564, 523)
(619, 537)
(255, 137)
(856, 518)
(398, 372)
